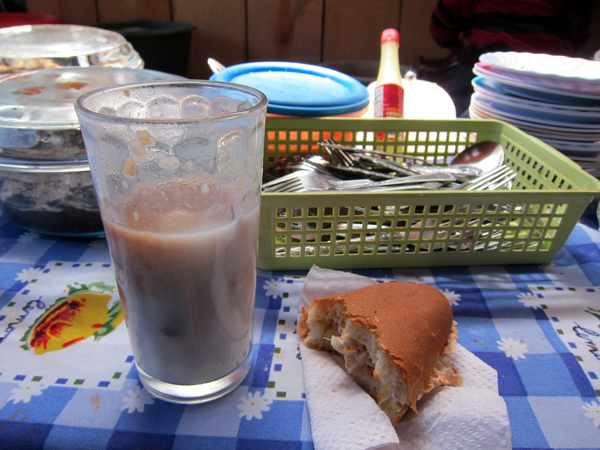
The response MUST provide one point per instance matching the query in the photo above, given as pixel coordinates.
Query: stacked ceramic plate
(554, 98)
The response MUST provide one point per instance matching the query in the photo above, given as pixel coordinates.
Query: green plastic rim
(528, 224)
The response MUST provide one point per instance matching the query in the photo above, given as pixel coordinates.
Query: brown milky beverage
(177, 168)
(187, 286)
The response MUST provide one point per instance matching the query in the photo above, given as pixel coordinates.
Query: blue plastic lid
(295, 89)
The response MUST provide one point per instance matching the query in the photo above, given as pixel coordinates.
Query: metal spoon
(474, 161)
(485, 155)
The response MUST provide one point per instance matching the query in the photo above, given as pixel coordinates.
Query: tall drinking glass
(177, 167)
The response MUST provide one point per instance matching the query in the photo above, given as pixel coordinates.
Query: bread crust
(411, 322)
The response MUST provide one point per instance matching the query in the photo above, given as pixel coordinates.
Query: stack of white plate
(554, 98)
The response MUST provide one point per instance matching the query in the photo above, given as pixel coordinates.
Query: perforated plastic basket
(344, 230)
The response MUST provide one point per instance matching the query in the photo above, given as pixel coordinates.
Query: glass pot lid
(31, 47)
(29, 166)
(37, 108)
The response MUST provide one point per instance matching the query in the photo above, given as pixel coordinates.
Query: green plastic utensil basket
(528, 224)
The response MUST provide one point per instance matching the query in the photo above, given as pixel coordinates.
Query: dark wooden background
(309, 31)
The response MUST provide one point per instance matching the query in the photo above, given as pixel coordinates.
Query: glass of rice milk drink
(177, 168)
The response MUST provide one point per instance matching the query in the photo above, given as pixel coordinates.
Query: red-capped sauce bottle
(389, 93)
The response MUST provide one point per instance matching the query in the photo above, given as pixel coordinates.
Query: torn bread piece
(393, 337)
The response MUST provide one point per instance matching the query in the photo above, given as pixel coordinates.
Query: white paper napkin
(343, 416)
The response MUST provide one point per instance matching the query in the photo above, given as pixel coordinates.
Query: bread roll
(393, 337)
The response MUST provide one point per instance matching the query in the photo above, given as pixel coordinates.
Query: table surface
(538, 326)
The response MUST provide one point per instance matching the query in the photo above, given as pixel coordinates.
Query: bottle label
(389, 101)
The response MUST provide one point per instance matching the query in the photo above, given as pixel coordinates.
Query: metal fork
(462, 172)
(304, 181)
(493, 180)
(310, 181)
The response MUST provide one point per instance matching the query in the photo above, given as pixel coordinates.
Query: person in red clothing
(471, 28)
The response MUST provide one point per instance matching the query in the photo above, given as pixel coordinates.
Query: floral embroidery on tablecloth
(98, 243)
(531, 300)
(137, 399)
(276, 288)
(592, 410)
(26, 390)
(28, 236)
(452, 296)
(513, 349)
(254, 405)
(28, 275)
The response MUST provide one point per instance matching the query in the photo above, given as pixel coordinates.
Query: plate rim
(479, 69)
(544, 110)
(491, 58)
(476, 82)
(517, 122)
(577, 126)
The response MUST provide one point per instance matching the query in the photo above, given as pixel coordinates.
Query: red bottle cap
(390, 35)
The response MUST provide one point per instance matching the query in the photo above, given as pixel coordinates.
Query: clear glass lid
(37, 114)
(31, 47)
(45, 99)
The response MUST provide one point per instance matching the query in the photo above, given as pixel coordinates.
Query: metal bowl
(47, 197)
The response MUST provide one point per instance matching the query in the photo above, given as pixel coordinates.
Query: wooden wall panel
(415, 39)
(221, 32)
(285, 30)
(79, 12)
(307, 31)
(353, 28)
(127, 10)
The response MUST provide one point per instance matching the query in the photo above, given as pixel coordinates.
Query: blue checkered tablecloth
(538, 326)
